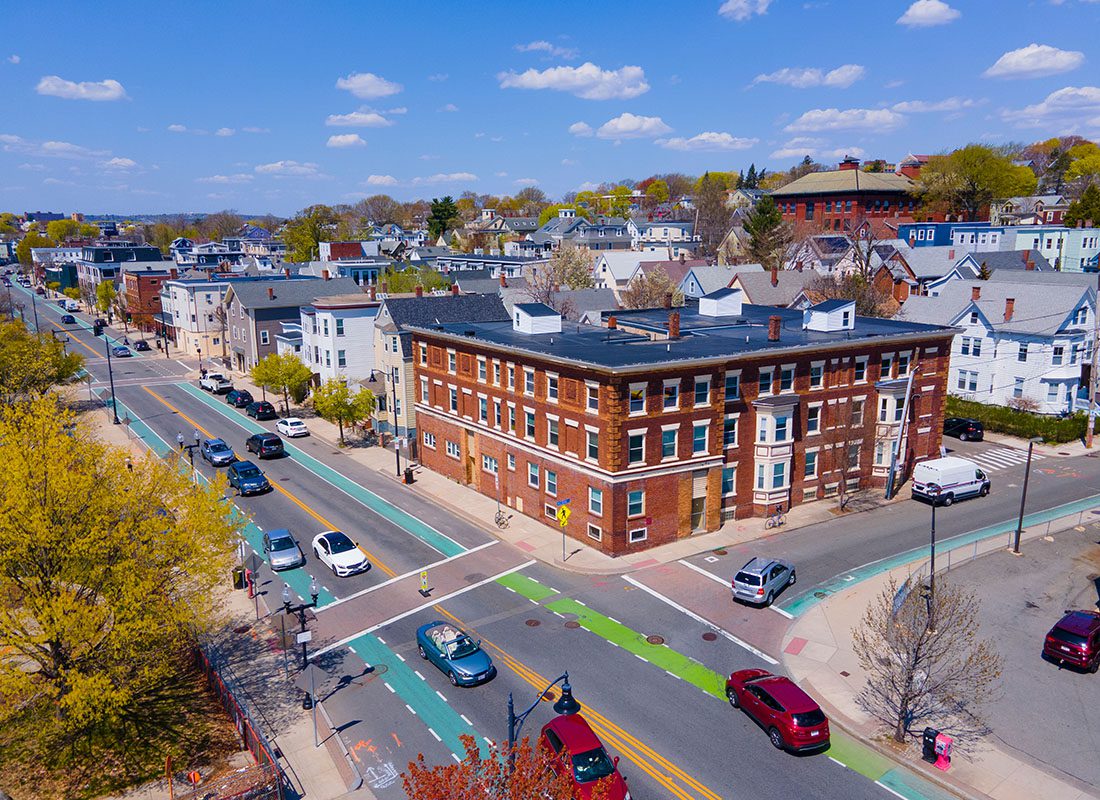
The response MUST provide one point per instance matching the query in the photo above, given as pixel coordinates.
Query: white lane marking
(466, 720)
(640, 658)
(611, 643)
(436, 735)
(325, 588)
(441, 697)
(409, 574)
(185, 366)
(418, 674)
(581, 603)
(778, 610)
(705, 573)
(489, 741)
(510, 589)
(697, 618)
(674, 675)
(841, 763)
(456, 758)
(380, 639)
(411, 711)
(352, 649)
(615, 620)
(882, 785)
(421, 607)
(389, 687)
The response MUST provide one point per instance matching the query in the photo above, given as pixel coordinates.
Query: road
(646, 667)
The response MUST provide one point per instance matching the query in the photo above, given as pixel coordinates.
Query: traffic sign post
(563, 514)
(424, 590)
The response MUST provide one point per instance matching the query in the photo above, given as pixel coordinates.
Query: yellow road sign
(563, 515)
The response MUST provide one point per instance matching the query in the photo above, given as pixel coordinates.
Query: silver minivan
(761, 579)
(283, 550)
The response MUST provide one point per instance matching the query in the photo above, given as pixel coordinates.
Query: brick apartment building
(142, 283)
(667, 423)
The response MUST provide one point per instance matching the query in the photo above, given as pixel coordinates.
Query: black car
(142, 346)
(264, 445)
(68, 319)
(967, 430)
(261, 409)
(239, 398)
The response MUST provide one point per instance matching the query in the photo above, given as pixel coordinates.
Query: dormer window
(973, 317)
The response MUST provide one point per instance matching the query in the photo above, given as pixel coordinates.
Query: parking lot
(1050, 715)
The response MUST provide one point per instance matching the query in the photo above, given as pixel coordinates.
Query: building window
(482, 373)
(552, 432)
(452, 449)
(638, 535)
(765, 383)
(813, 419)
(452, 363)
(423, 353)
(551, 387)
(511, 378)
(1018, 388)
(341, 358)
(729, 481)
(496, 373)
(702, 391)
(593, 403)
(671, 396)
(551, 482)
(885, 369)
(781, 428)
(423, 389)
(699, 438)
(264, 339)
(779, 475)
(1021, 355)
(452, 397)
(324, 326)
(760, 477)
(811, 464)
(635, 503)
(482, 410)
(899, 408)
(593, 449)
(668, 444)
(489, 464)
(853, 456)
(857, 413)
(1053, 391)
(429, 440)
(786, 379)
(532, 475)
(339, 327)
(817, 374)
(529, 424)
(550, 510)
(328, 358)
(397, 405)
(903, 365)
(733, 386)
(529, 382)
(729, 432)
(636, 448)
(1058, 355)
(594, 532)
(496, 413)
(595, 501)
(637, 399)
(861, 370)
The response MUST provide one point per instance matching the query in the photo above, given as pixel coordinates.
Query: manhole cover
(844, 673)
(549, 697)
(710, 636)
(532, 623)
(721, 551)
(655, 639)
(821, 595)
(572, 624)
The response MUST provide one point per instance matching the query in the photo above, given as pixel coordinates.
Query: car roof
(265, 435)
(574, 732)
(292, 420)
(1082, 623)
(759, 565)
(280, 533)
(239, 465)
(789, 695)
(215, 441)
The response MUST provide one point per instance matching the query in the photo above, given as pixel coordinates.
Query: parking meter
(943, 752)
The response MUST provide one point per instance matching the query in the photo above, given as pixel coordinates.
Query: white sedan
(339, 553)
(291, 427)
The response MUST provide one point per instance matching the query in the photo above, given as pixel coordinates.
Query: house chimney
(798, 265)
(503, 281)
(373, 292)
(286, 271)
(270, 292)
(849, 163)
(1010, 305)
(975, 293)
(674, 325)
(775, 277)
(668, 300)
(1028, 263)
(454, 290)
(951, 254)
(612, 322)
(172, 273)
(774, 321)
(681, 257)
(385, 287)
(419, 290)
(324, 274)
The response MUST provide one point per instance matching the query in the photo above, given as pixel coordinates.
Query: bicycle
(776, 520)
(501, 519)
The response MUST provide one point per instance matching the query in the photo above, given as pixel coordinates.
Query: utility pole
(1092, 370)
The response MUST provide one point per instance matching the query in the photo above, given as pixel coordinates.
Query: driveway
(1051, 716)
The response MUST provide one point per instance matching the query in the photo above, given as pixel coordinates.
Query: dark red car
(581, 756)
(1075, 640)
(792, 718)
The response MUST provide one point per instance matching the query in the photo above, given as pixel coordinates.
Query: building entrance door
(698, 500)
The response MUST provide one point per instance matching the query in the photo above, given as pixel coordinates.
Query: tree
(333, 401)
(31, 240)
(105, 294)
(72, 292)
(657, 192)
(399, 281)
(751, 180)
(282, 372)
(490, 777)
(569, 267)
(769, 235)
(106, 576)
(712, 215)
(650, 290)
(62, 230)
(551, 212)
(88, 230)
(1086, 207)
(31, 366)
(1084, 172)
(220, 225)
(305, 232)
(870, 301)
(968, 179)
(984, 272)
(443, 217)
(531, 200)
(620, 202)
(925, 665)
(9, 223)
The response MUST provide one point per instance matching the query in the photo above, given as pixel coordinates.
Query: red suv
(581, 756)
(790, 716)
(1075, 640)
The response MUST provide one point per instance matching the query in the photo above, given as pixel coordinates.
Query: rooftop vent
(722, 303)
(535, 318)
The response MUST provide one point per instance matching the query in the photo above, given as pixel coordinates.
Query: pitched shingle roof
(290, 293)
(446, 309)
(759, 290)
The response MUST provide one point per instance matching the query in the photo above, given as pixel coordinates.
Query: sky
(270, 107)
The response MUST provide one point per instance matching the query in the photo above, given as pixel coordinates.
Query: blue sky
(268, 107)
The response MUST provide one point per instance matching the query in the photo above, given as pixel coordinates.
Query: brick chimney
(419, 290)
(674, 325)
(286, 271)
(612, 322)
(373, 292)
(503, 281)
(951, 254)
(975, 293)
(849, 163)
(1028, 263)
(454, 290)
(775, 277)
(681, 257)
(1010, 306)
(385, 287)
(270, 292)
(324, 274)
(774, 323)
(668, 300)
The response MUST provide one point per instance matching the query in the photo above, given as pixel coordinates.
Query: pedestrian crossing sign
(563, 515)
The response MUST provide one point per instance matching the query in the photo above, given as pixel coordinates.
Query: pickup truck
(216, 382)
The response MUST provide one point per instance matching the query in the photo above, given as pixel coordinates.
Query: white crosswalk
(1000, 457)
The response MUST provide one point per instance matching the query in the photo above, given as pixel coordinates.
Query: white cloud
(586, 81)
(526, 182)
(33, 167)
(381, 180)
(1070, 105)
(283, 169)
(11, 143)
(119, 163)
(568, 162)
(346, 140)
(588, 186)
(580, 129)
(545, 47)
(14, 59)
(177, 128)
(741, 10)
(368, 85)
(927, 106)
(446, 177)
(358, 119)
(438, 77)
(58, 182)
(501, 174)
(927, 13)
(834, 119)
(253, 129)
(449, 108)
(224, 132)
(239, 177)
(632, 126)
(398, 110)
(428, 157)
(893, 84)
(801, 146)
(805, 77)
(708, 140)
(1035, 61)
(107, 90)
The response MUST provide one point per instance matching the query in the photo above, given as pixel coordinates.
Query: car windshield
(282, 543)
(462, 647)
(218, 447)
(592, 766)
(749, 578)
(1067, 637)
(808, 719)
(340, 543)
(248, 472)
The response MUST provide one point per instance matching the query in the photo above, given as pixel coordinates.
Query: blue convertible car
(458, 656)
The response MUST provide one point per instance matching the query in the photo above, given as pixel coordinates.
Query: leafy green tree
(333, 401)
(31, 240)
(1085, 171)
(305, 232)
(657, 191)
(105, 296)
(283, 373)
(9, 224)
(443, 217)
(62, 230)
(769, 235)
(73, 293)
(967, 180)
(1086, 207)
(713, 216)
(406, 280)
(31, 366)
(752, 180)
(619, 205)
(88, 230)
(984, 272)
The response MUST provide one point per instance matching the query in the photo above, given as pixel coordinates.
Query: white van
(945, 480)
(71, 305)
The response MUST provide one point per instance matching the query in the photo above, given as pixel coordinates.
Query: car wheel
(453, 678)
(316, 553)
(794, 578)
(731, 695)
(334, 570)
(983, 491)
(423, 654)
(768, 599)
(963, 437)
(776, 738)
(948, 499)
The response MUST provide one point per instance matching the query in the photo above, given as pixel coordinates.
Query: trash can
(928, 751)
(238, 578)
(408, 475)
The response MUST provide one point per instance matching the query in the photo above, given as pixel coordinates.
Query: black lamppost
(111, 375)
(300, 610)
(199, 351)
(11, 305)
(565, 705)
(64, 341)
(930, 592)
(34, 307)
(396, 448)
(1023, 495)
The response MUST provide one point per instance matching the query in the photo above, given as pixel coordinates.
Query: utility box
(238, 578)
(943, 752)
(928, 750)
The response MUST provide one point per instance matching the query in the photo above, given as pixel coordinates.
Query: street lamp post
(111, 376)
(1023, 495)
(566, 705)
(396, 448)
(34, 306)
(930, 594)
(300, 610)
(199, 351)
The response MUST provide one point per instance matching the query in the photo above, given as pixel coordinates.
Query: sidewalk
(818, 654)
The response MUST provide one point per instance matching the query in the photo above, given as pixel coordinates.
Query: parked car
(264, 445)
(217, 452)
(339, 553)
(966, 430)
(121, 351)
(454, 653)
(761, 579)
(793, 719)
(580, 755)
(217, 383)
(261, 409)
(39, 291)
(68, 319)
(247, 478)
(238, 398)
(283, 550)
(291, 427)
(1075, 640)
(142, 346)
(945, 480)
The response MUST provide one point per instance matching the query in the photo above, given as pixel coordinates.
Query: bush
(1000, 419)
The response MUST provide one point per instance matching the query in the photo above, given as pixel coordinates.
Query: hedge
(1000, 419)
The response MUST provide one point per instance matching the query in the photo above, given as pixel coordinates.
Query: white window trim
(770, 372)
(821, 385)
(730, 372)
(793, 369)
(645, 398)
(677, 382)
(599, 513)
(820, 414)
(636, 432)
(817, 463)
(599, 533)
(860, 360)
(631, 538)
(556, 377)
(694, 389)
(695, 425)
(589, 385)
